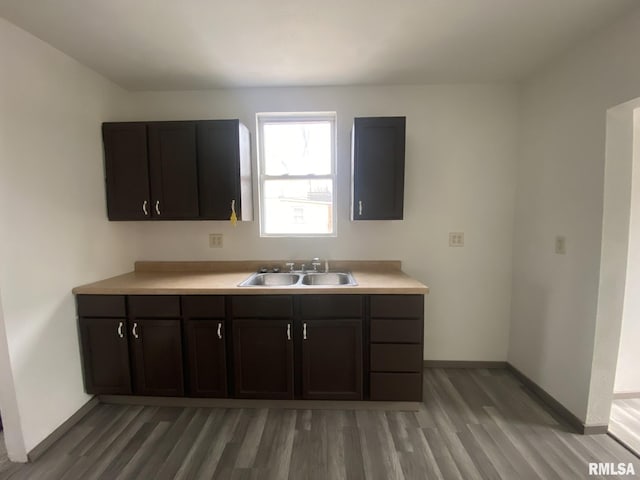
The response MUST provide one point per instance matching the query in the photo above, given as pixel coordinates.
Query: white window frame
(298, 117)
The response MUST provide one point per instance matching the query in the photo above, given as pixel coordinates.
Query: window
(298, 214)
(296, 167)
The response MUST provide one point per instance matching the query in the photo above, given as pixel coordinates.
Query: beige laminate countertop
(222, 278)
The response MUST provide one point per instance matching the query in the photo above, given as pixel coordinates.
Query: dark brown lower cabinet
(156, 346)
(206, 356)
(396, 386)
(332, 359)
(346, 347)
(396, 348)
(263, 358)
(105, 355)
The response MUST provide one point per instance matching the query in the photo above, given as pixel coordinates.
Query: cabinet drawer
(396, 387)
(101, 306)
(331, 306)
(396, 358)
(396, 330)
(397, 306)
(154, 306)
(203, 306)
(262, 306)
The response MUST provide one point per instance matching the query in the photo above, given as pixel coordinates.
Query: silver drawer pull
(144, 208)
(359, 207)
(288, 331)
(134, 330)
(158, 207)
(120, 325)
(220, 330)
(304, 331)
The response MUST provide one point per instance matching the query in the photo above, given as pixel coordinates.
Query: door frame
(619, 163)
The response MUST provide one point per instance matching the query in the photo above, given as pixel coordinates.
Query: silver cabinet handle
(304, 331)
(359, 207)
(288, 331)
(134, 330)
(144, 208)
(120, 334)
(220, 330)
(158, 207)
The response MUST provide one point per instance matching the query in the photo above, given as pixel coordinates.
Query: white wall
(628, 365)
(560, 191)
(53, 229)
(460, 176)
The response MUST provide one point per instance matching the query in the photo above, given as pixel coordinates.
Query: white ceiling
(195, 44)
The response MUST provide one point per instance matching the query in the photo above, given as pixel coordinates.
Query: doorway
(624, 422)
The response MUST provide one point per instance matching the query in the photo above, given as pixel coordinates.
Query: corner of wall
(13, 438)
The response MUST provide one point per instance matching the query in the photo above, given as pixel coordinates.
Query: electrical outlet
(215, 240)
(456, 239)
(561, 244)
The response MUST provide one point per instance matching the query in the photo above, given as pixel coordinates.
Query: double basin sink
(299, 279)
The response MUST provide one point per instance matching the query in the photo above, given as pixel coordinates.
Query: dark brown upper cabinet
(377, 164)
(173, 170)
(178, 170)
(127, 170)
(224, 170)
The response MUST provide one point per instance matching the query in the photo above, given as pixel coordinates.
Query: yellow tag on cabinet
(233, 218)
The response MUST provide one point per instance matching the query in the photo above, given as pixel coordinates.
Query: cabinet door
(206, 357)
(263, 358)
(157, 357)
(105, 355)
(174, 170)
(219, 168)
(126, 171)
(332, 359)
(378, 168)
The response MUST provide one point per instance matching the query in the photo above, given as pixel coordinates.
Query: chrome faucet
(292, 267)
(315, 263)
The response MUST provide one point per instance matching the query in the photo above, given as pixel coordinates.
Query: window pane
(298, 207)
(297, 148)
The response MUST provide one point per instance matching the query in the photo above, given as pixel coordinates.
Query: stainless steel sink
(329, 278)
(299, 279)
(271, 280)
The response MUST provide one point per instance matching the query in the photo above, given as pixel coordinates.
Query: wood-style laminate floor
(5, 464)
(625, 422)
(475, 424)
